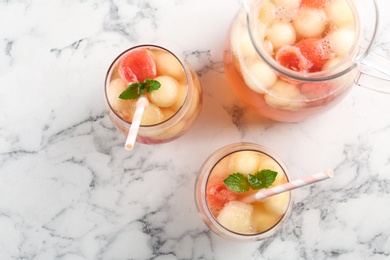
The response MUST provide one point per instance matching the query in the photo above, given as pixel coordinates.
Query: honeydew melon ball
(114, 89)
(152, 115)
(341, 41)
(310, 22)
(331, 63)
(339, 13)
(286, 9)
(267, 12)
(284, 95)
(237, 216)
(166, 95)
(244, 162)
(280, 34)
(258, 76)
(180, 96)
(277, 204)
(169, 65)
(246, 48)
(263, 220)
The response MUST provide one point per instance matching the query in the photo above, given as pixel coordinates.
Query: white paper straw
(265, 193)
(142, 102)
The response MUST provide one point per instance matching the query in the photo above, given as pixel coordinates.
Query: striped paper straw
(133, 132)
(265, 193)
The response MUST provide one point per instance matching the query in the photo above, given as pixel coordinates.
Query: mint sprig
(237, 182)
(135, 90)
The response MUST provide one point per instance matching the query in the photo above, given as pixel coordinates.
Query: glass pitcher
(293, 59)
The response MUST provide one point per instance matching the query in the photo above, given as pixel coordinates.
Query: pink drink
(224, 211)
(283, 67)
(172, 109)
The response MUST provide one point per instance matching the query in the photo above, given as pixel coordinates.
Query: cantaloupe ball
(280, 34)
(277, 204)
(115, 74)
(166, 95)
(114, 89)
(244, 162)
(268, 47)
(310, 23)
(284, 95)
(152, 115)
(237, 216)
(167, 113)
(258, 76)
(267, 12)
(341, 41)
(169, 65)
(221, 169)
(339, 13)
(263, 220)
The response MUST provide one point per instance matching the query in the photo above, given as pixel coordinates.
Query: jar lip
(208, 166)
(346, 65)
(183, 107)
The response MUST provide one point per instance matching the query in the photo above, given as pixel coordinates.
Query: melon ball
(284, 95)
(166, 95)
(331, 63)
(114, 89)
(245, 47)
(286, 9)
(310, 23)
(258, 76)
(169, 65)
(237, 216)
(244, 162)
(341, 41)
(221, 169)
(277, 204)
(152, 115)
(180, 96)
(280, 34)
(263, 220)
(339, 13)
(267, 12)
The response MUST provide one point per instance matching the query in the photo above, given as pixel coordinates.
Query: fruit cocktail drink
(173, 106)
(284, 63)
(228, 176)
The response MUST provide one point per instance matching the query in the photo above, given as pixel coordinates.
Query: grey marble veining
(69, 190)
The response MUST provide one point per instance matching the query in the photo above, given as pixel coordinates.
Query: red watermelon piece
(307, 55)
(217, 195)
(137, 65)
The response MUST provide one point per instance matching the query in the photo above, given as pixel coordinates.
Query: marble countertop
(69, 190)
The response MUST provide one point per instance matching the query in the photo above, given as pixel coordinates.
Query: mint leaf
(153, 85)
(262, 179)
(237, 182)
(135, 90)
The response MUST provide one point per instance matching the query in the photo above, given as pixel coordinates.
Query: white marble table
(69, 190)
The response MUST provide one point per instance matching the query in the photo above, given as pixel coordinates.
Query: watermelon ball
(308, 55)
(137, 65)
(217, 195)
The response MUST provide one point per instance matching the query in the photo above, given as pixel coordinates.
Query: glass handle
(375, 73)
